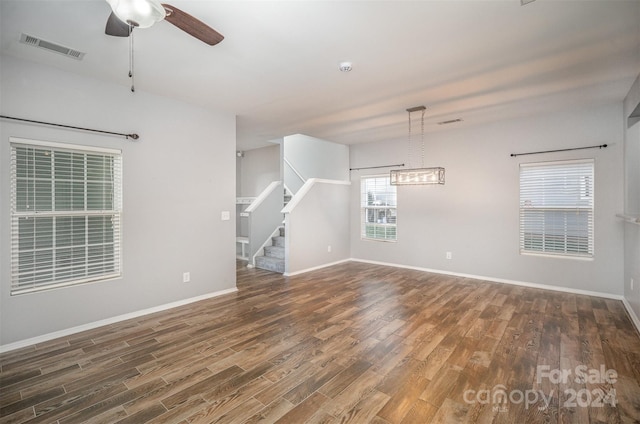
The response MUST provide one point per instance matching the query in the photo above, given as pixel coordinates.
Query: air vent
(52, 47)
(451, 121)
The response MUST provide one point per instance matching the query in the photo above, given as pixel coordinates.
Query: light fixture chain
(410, 147)
(422, 175)
(422, 137)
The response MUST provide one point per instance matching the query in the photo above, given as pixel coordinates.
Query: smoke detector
(345, 66)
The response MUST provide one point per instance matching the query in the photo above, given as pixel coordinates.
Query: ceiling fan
(129, 14)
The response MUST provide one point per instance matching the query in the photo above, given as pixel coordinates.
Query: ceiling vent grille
(52, 47)
(450, 121)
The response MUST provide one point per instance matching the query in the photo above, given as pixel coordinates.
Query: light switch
(225, 215)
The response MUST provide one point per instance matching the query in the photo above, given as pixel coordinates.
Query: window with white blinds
(66, 206)
(378, 208)
(556, 208)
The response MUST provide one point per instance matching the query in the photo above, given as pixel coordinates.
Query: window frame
(81, 241)
(550, 212)
(387, 228)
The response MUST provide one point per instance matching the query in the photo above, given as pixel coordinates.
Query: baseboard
(107, 321)
(96, 324)
(291, 274)
(632, 314)
(499, 280)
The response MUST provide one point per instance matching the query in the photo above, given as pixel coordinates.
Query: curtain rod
(559, 150)
(375, 167)
(127, 136)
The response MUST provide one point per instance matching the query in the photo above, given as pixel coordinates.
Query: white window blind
(556, 208)
(378, 208)
(66, 205)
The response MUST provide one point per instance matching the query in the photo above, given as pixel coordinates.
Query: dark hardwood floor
(350, 343)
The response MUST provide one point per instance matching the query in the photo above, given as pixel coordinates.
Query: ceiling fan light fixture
(138, 13)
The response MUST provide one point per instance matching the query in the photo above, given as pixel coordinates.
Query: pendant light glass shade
(417, 176)
(138, 13)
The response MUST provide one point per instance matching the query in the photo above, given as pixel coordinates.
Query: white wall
(317, 222)
(316, 158)
(475, 214)
(632, 199)
(259, 168)
(319, 215)
(255, 171)
(177, 179)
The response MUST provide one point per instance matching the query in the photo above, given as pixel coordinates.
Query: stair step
(274, 252)
(270, 264)
(278, 241)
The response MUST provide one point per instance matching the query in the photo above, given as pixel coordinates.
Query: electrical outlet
(631, 284)
(329, 249)
(449, 256)
(186, 277)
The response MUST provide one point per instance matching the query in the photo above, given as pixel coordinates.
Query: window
(379, 203)
(66, 203)
(556, 208)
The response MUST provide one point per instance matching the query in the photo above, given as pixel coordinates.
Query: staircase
(273, 259)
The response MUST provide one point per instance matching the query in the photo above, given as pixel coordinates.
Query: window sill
(375, 239)
(558, 256)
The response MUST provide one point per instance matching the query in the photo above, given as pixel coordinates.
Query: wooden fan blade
(192, 26)
(116, 27)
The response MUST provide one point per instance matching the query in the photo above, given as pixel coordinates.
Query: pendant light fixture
(422, 175)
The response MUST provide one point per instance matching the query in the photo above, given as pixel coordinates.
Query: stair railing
(265, 214)
(292, 178)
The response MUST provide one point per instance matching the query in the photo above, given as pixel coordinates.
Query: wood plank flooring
(353, 343)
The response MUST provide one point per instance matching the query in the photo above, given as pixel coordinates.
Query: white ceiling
(277, 68)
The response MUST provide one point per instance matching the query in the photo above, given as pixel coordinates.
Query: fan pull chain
(131, 74)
